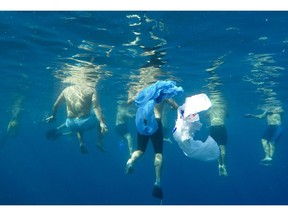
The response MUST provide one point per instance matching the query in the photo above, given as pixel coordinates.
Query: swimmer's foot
(83, 149)
(129, 168)
(266, 159)
(167, 140)
(101, 148)
(222, 170)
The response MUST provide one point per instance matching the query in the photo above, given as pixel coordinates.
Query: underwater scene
(144, 108)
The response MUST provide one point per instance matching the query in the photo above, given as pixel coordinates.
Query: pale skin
(79, 100)
(158, 160)
(13, 124)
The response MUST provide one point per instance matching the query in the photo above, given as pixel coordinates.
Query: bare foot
(129, 168)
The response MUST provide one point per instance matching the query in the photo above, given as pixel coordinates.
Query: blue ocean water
(242, 55)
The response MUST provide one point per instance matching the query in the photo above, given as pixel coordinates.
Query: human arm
(98, 112)
(173, 103)
(255, 116)
(130, 101)
(59, 100)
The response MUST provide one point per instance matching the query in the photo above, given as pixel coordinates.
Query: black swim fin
(83, 149)
(53, 134)
(157, 192)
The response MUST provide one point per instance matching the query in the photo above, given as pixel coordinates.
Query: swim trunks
(272, 133)
(122, 129)
(219, 134)
(156, 139)
(82, 124)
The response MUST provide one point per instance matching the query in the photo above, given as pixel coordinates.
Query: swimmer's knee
(137, 154)
(158, 159)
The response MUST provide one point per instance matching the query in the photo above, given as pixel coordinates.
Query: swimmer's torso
(274, 119)
(217, 116)
(78, 100)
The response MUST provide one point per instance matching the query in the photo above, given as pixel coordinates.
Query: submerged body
(82, 107)
(272, 133)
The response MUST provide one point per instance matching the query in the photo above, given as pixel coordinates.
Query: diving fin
(53, 134)
(83, 149)
(157, 191)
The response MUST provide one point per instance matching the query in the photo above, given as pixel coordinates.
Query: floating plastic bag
(188, 123)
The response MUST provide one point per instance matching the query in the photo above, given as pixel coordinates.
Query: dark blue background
(36, 171)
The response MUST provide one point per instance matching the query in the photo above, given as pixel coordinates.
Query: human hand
(50, 119)
(248, 116)
(104, 128)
